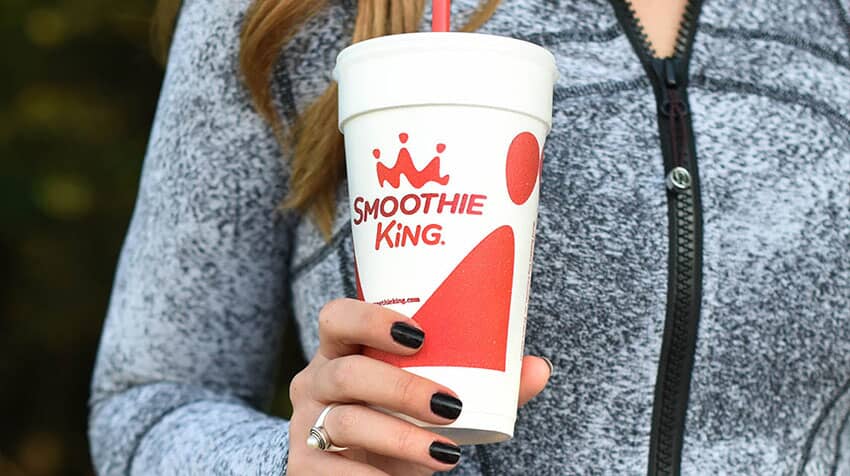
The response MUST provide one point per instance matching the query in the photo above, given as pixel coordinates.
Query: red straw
(441, 15)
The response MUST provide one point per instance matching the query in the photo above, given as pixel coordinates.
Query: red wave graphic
(466, 319)
(404, 166)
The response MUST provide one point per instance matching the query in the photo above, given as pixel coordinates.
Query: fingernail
(407, 335)
(549, 363)
(444, 453)
(446, 406)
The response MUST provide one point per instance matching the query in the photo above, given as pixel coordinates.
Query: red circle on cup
(523, 167)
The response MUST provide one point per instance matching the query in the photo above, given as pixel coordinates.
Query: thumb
(535, 374)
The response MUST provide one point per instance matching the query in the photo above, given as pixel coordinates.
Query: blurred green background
(79, 91)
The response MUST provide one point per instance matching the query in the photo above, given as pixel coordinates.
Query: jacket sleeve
(194, 326)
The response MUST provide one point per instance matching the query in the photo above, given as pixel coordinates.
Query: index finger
(346, 325)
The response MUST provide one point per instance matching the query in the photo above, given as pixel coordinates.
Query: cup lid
(448, 69)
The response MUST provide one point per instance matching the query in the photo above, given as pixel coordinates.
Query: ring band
(319, 438)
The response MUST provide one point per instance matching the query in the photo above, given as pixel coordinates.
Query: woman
(691, 282)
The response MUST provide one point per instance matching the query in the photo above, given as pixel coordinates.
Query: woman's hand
(379, 444)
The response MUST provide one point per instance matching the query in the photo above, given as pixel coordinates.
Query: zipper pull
(668, 67)
(663, 68)
(674, 109)
(672, 105)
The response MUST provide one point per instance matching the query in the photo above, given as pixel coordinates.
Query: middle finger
(357, 378)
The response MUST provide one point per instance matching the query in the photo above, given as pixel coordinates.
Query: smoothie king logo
(476, 295)
(390, 209)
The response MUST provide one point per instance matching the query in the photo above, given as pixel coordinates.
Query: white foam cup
(443, 138)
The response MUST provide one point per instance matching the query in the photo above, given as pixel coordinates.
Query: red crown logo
(404, 166)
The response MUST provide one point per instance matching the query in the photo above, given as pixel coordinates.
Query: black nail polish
(444, 453)
(407, 335)
(446, 406)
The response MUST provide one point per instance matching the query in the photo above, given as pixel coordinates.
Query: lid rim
(464, 42)
(352, 116)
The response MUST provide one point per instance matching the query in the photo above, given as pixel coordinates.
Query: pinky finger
(331, 464)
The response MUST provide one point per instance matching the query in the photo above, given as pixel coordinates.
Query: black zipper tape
(669, 78)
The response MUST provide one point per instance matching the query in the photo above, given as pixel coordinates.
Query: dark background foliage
(78, 91)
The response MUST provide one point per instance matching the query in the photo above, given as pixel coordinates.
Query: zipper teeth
(637, 26)
(685, 29)
(673, 369)
(683, 37)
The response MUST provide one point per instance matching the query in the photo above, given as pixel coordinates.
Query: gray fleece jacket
(211, 271)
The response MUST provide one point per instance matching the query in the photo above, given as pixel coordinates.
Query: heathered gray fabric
(210, 271)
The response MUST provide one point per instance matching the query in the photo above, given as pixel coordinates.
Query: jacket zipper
(669, 78)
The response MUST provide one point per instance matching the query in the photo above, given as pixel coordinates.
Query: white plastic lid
(468, 69)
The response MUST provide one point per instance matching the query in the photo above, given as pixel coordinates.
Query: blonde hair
(318, 155)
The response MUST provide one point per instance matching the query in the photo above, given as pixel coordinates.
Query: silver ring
(319, 438)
